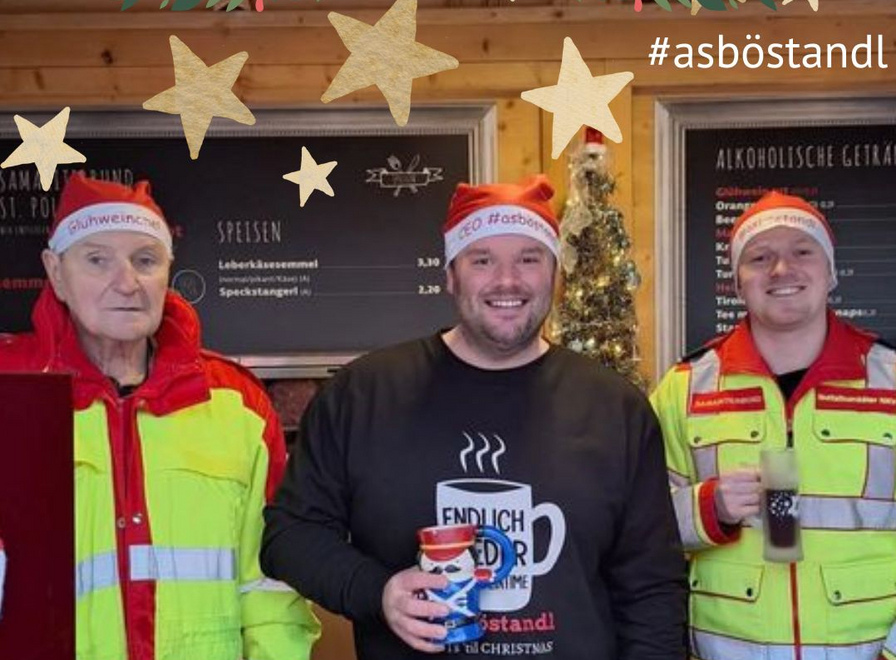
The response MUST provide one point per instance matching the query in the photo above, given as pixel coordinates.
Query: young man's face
(784, 278)
(114, 284)
(502, 287)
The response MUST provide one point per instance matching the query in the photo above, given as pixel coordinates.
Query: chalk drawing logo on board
(397, 177)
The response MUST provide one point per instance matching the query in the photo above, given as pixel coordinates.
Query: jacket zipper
(794, 585)
(119, 451)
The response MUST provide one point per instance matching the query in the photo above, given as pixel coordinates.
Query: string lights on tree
(596, 313)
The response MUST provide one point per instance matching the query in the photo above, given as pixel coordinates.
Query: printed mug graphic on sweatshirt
(507, 505)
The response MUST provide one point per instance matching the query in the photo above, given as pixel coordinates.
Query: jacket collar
(176, 377)
(842, 357)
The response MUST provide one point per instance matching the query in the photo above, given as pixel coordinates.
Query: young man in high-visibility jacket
(791, 374)
(176, 449)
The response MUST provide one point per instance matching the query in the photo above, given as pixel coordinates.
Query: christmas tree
(596, 312)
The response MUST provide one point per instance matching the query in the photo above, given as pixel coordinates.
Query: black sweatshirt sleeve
(306, 534)
(646, 572)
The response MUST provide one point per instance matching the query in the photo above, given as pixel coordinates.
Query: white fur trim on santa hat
(497, 220)
(109, 216)
(783, 217)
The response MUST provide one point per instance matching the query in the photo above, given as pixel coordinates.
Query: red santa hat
(445, 542)
(493, 209)
(776, 209)
(88, 206)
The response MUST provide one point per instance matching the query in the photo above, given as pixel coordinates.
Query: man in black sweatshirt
(487, 423)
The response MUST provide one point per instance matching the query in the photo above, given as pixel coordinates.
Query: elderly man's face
(784, 279)
(503, 286)
(114, 284)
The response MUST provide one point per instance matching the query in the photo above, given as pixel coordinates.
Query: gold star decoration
(201, 92)
(44, 147)
(311, 177)
(385, 55)
(812, 3)
(579, 99)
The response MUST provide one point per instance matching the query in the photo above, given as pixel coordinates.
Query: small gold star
(385, 55)
(201, 92)
(44, 147)
(812, 3)
(311, 177)
(579, 99)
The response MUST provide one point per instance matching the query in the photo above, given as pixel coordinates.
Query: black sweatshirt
(561, 454)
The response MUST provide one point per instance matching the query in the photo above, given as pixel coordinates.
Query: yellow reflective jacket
(170, 483)
(717, 410)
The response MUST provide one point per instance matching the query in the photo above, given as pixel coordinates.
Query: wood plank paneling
(518, 153)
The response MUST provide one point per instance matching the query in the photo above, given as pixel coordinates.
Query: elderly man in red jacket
(176, 449)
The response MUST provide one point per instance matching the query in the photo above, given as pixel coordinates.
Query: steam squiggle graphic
(467, 450)
(496, 446)
(498, 453)
(481, 452)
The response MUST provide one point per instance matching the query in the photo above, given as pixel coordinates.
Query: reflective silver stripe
(97, 572)
(848, 513)
(683, 501)
(704, 374)
(264, 584)
(677, 480)
(706, 462)
(881, 479)
(881, 366)
(150, 562)
(709, 646)
(890, 644)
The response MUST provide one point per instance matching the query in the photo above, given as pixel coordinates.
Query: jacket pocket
(849, 426)
(213, 483)
(724, 442)
(725, 596)
(860, 599)
(856, 454)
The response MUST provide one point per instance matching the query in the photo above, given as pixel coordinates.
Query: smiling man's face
(784, 278)
(114, 284)
(502, 287)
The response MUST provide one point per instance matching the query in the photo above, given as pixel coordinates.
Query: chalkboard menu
(274, 283)
(839, 155)
(849, 172)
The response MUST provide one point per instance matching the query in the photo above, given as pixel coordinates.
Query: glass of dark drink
(780, 505)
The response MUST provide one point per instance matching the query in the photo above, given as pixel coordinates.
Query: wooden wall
(91, 59)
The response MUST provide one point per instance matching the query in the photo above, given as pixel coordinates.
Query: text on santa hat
(474, 223)
(763, 221)
(82, 223)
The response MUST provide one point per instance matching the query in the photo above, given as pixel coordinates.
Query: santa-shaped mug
(450, 550)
